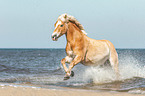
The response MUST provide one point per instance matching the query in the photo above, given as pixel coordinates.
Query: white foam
(2, 85)
(99, 75)
(137, 92)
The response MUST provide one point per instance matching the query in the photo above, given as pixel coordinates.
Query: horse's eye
(61, 25)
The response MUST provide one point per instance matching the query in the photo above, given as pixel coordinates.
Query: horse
(82, 49)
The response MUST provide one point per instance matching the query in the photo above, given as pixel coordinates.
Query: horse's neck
(73, 34)
(76, 40)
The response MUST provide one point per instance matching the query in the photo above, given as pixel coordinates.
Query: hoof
(72, 74)
(66, 77)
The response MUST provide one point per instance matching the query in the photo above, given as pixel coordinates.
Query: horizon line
(62, 48)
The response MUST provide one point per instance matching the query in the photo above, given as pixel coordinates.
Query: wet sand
(14, 90)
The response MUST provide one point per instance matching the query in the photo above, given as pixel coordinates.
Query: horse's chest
(70, 56)
(70, 53)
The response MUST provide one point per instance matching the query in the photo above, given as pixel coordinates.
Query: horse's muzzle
(54, 38)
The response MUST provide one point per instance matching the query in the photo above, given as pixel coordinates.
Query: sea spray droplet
(130, 67)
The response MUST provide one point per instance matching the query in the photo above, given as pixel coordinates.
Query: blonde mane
(68, 18)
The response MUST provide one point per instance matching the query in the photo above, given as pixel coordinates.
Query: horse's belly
(96, 60)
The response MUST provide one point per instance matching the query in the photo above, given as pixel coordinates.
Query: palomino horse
(82, 49)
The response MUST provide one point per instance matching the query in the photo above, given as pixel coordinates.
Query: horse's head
(60, 28)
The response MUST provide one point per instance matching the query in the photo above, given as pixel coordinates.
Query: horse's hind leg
(113, 58)
(114, 63)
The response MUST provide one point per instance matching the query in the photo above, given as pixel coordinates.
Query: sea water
(42, 67)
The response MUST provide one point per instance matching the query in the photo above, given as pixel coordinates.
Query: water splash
(129, 67)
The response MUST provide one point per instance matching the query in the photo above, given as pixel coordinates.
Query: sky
(30, 23)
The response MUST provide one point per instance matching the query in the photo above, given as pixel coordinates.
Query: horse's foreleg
(67, 59)
(75, 61)
(64, 65)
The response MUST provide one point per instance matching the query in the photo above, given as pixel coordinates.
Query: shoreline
(30, 90)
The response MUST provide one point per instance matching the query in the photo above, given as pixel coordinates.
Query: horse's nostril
(53, 36)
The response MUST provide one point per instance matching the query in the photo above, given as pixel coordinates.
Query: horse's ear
(65, 16)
